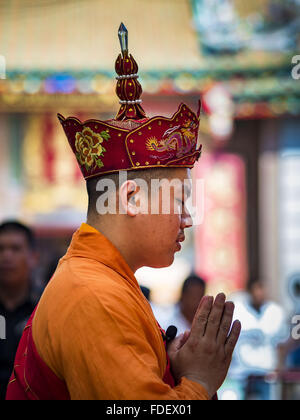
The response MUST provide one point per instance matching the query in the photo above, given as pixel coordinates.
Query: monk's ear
(129, 196)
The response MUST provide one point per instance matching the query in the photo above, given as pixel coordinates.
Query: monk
(95, 330)
(93, 334)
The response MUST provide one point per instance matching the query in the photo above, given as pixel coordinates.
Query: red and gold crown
(131, 140)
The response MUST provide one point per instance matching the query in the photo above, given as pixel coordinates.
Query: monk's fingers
(185, 337)
(215, 317)
(232, 338)
(201, 317)
(225, 323)
(174, 345)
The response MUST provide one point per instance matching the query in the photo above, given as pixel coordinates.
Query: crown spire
(123, 37)
(128, 88)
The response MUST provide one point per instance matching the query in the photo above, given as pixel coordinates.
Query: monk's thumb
(174, 345)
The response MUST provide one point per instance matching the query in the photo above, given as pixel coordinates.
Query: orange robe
(96, 331)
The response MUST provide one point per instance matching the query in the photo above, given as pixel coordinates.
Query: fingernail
(237, 324)
(230, 304)
(221, 297)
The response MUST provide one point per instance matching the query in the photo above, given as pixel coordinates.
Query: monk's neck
(120, 240)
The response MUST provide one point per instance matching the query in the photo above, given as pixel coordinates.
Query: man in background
(17, 295)
(264, 327)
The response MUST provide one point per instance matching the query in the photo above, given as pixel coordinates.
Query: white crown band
(128, 76)
(137, 101)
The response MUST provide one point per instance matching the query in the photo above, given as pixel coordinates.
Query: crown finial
(123, 37)
(128, 88)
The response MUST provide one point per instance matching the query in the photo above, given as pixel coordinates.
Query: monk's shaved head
(144, 174)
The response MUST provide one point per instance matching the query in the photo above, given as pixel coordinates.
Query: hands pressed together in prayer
(204, 354)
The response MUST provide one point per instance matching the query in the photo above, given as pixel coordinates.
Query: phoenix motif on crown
(176, 142)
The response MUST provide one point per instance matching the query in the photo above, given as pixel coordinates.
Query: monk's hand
(204, 355)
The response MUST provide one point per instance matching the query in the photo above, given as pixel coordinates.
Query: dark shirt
(15, 321)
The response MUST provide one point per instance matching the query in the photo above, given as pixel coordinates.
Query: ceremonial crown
(131, 140)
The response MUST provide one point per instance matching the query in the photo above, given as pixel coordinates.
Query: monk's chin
(163, 262)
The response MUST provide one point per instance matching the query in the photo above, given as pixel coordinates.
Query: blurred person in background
(146, 292)
(264, 327)
(51, 267)
(18, 294)
(289, 352)
(183, 313)
(289, 355)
